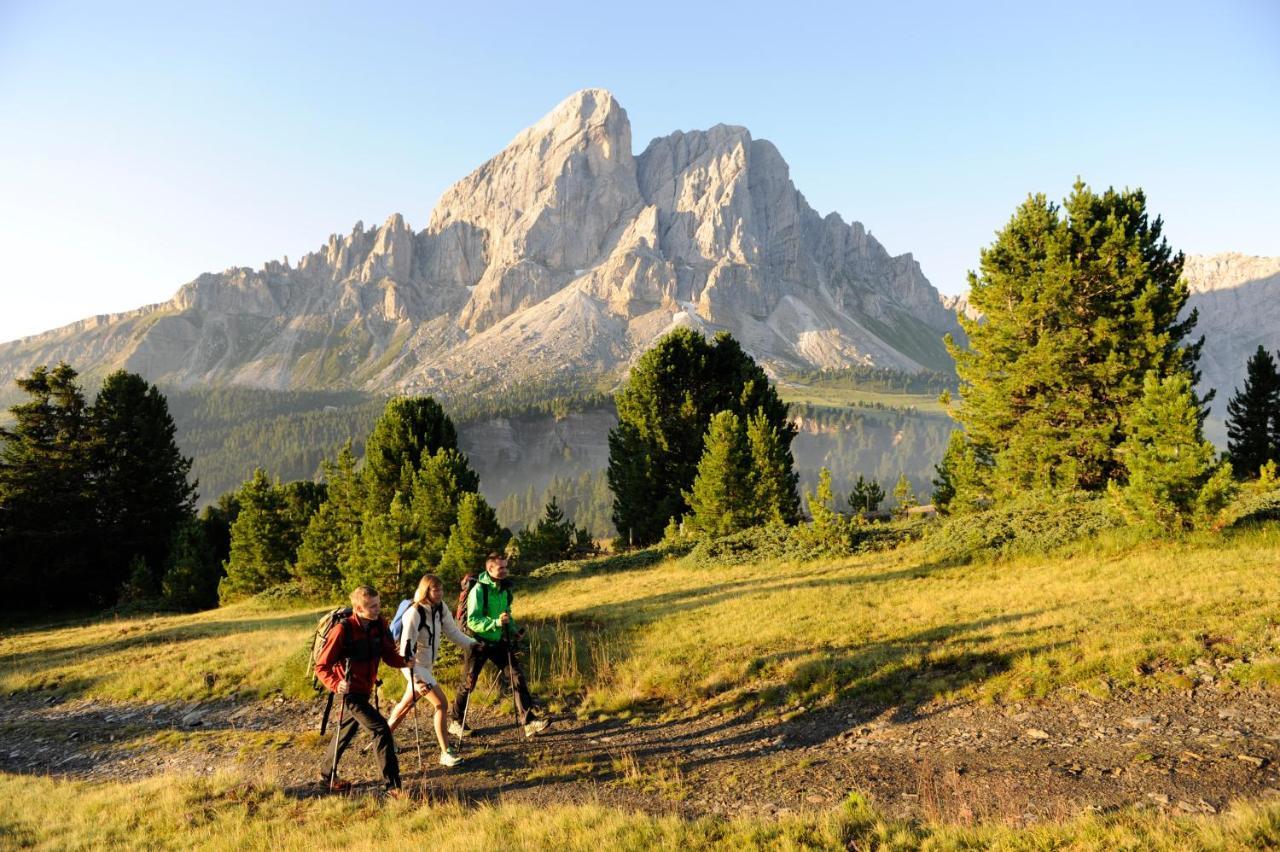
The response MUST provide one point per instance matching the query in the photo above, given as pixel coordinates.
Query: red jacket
(363, 647)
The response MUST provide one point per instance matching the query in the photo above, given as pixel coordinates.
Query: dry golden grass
(231, 813)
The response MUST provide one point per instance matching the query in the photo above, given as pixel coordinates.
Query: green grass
(895, 628)
(625, 635)
(818, 394)
(228, 812)
(244, 649)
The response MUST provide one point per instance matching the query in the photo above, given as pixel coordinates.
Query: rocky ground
(1183, 752)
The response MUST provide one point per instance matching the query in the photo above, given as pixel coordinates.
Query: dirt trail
(1020, 763)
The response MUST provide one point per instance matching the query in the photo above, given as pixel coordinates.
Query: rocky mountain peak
(564, 253)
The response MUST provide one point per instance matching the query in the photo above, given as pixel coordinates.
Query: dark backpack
(460, 614)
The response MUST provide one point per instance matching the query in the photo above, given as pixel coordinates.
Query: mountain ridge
(561, 257)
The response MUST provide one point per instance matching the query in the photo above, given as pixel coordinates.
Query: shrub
(1031, 524)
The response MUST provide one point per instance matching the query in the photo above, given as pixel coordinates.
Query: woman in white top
(419, 643)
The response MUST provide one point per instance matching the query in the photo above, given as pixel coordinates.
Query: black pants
(497, 653)
(360, 714)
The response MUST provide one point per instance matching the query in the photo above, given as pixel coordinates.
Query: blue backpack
(397, 623)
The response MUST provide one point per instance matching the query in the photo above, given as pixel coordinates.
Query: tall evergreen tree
(722, 499)
(1173, 477)
(260, 553)
(388, 553)
(1253, 417)
(409, 429)
(335, 526)
(663, 414)
(1078, 303)
(47, 522)
(437, 490)
(474, 536)
(866, 495)
(773, 476)
(904, 496)
(192, 572)
(140, 477)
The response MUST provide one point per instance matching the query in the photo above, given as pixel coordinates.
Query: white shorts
(421, 674)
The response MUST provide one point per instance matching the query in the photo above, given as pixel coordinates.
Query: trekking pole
(463, 725)
(417, 739)
(337, 730)
(511, 665)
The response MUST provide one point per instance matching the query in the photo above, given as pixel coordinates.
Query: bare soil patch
(1183, 752)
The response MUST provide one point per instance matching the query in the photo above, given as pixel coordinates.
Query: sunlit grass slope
(247, 649)
(892, 627)
(622, 633)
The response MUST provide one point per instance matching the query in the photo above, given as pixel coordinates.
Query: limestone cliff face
(1238, 300)
(564, 255)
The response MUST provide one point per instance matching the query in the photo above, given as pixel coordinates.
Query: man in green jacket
(489, 619)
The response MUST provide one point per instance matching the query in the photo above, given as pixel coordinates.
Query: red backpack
(460, 613)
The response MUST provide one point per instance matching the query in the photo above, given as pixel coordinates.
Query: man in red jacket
(348, 665)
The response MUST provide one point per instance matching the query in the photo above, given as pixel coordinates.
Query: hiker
(348, 666)
(489, 618)
(421, 626)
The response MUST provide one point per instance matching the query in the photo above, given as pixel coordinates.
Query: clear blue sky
(145, 143)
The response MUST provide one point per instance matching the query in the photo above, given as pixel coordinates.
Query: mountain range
(559, 260)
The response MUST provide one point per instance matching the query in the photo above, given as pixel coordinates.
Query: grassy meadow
(626, 634)
(837, 396)
(649, 633)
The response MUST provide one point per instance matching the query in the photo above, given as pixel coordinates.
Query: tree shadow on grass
(651, 608)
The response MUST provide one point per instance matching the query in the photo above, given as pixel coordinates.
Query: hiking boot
(397, 793)
(337, 785)
(535, 727)
(456, 729)
(449, 757)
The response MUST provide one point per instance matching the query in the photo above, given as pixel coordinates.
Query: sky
(142, 144)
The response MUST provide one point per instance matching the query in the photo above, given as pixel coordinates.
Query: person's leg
(371, 720)
(522, 699)
(472, 662)
(441, 707)
(346, 733)
(406, 703)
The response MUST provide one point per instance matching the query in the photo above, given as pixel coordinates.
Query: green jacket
(486, 603)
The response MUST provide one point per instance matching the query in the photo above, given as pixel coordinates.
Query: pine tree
(722, 499)
(827, 531)
(663, 413)
(957, 485)
(260, 553)
(192, 572)
(140, 478)
(48, 529)
(773, 475)
(552, 538)
(475, 535)
(1078, 304)
(904, 495)
(1253, 417)
(866, 496)
(438, 487)
(334, 528)
(388, 553)
(409, 429)
(1173, 477)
